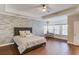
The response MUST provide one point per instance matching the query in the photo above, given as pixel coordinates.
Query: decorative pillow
(27, 32)
(22, 33)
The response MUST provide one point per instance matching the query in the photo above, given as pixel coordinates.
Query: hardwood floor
(9, 50)
(53, 47)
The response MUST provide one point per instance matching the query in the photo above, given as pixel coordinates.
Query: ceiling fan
(46, 8)
(43, 7)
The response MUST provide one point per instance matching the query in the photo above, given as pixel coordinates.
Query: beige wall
(71, 20)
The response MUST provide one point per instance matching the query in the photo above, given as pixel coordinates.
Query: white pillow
(22, 33)
(27, 32)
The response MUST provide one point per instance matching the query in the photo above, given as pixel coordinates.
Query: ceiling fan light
(44, 9)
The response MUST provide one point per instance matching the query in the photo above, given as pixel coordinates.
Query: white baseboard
(73, 43)
(70, 42)
(6, 44)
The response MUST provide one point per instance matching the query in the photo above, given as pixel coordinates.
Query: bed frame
(16, 32)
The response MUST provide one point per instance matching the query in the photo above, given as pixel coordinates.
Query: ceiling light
(44, 9)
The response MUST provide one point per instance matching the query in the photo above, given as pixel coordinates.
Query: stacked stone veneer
(7, 23)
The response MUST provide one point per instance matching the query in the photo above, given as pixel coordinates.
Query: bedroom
(53, 25)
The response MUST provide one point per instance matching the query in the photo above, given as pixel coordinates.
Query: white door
(76, 32)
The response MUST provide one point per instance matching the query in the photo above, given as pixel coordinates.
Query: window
(51, 29)
(45, 29)
(57, 29)
(64, 29)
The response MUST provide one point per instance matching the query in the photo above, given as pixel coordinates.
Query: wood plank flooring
(53, 47)
(9, 50)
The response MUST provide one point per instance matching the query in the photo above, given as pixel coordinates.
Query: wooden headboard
(17, 29)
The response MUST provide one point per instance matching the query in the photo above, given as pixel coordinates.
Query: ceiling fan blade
(49, 9)
(38, 6)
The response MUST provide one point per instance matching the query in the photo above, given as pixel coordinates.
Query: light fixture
(44, 8)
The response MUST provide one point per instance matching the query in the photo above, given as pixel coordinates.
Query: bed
(28, 42)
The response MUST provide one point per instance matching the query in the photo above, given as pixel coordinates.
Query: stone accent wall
(7, 23)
